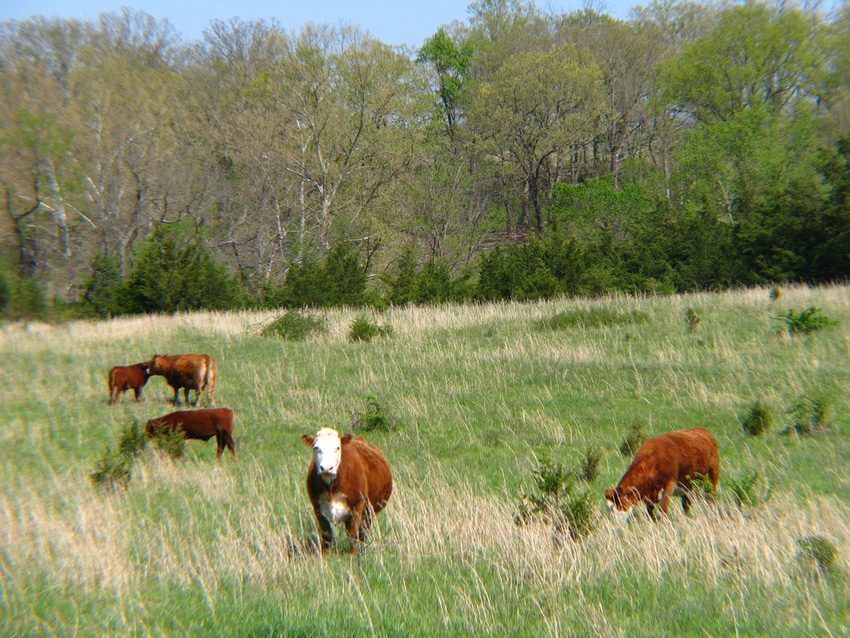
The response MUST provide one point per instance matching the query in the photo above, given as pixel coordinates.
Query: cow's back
(698, 453)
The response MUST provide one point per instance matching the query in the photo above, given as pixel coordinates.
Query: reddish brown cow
(349, 481)
(123, 378)
(187, 371)
(200, 424)
(673, 462)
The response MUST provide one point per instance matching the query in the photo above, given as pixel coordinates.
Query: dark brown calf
(123, 378)
(188, 371)
(673, 462)
(199, 424)
(349, 481)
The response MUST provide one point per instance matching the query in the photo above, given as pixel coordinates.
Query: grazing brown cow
(187, 371)
(673, 462)
(200, 424)
(123, 378)
(348, 482)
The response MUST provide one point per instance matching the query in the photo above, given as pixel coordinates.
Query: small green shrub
(364, 329)
(113, 469)
(810, 415)
(692, 319)
(588, 469)
(758, 420)
(133, 440)
(559, 503)
(774, 294)
(374, 417)
(294, 326)
(747, 492)
(805, 321)
(172, 441)
(820, 551)
(633, 439)
(593, 318)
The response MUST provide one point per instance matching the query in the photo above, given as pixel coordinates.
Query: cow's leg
(138, 392)
(176, 396)
(356, 532)
(668, 493)
(228, 441)
(325, 530)
(686, 501)
(186, 396)
(219, 442)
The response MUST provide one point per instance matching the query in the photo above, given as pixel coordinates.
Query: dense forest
(517, 154)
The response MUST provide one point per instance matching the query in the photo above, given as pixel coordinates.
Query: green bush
(633, 439)
(806, 321)
(819, 551)
(172, 441)
(132, 440)
(174, 271)
(113, 469)
(374, 417)
(364, 329)
(810, 414)
(336, 280)
(559, 502)
(758, 420)
(588, 469)
(747, 491)
(294, 326)
(692, 319)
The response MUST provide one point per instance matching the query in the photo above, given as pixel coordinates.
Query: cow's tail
(209, 379)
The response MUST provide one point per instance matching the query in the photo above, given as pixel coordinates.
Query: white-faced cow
(188, 371)
(123, 378)
(200, 424)
(349, 481)
(670, 463)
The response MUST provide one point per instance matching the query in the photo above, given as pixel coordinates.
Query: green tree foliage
(173, 271)
(336, 280)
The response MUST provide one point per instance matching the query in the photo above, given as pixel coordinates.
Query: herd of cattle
(349, 479)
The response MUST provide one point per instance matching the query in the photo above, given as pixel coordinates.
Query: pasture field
(480, 396)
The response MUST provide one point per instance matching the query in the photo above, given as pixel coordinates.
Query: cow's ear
(345, 438)
(610, 494)
(308, 439)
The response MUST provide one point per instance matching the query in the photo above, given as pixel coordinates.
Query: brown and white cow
(349, 481)
(200, 424)
(123, 378)
(673, 462)
(188, 371)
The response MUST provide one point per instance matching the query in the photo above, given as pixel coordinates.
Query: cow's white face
(619, 508)
(327, 451)
(620, 516)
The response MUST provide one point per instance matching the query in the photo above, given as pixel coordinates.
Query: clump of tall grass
(591, 318)
(294, 326)
(376, 416)
(364, 329)
(758, 420)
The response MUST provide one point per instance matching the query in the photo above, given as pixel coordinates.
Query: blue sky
(392, 21)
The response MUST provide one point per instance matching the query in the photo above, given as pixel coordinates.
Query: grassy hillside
(480, 396)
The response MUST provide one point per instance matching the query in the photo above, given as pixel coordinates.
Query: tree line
(520, 153)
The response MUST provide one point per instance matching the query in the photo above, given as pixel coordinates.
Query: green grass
(481, 394)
